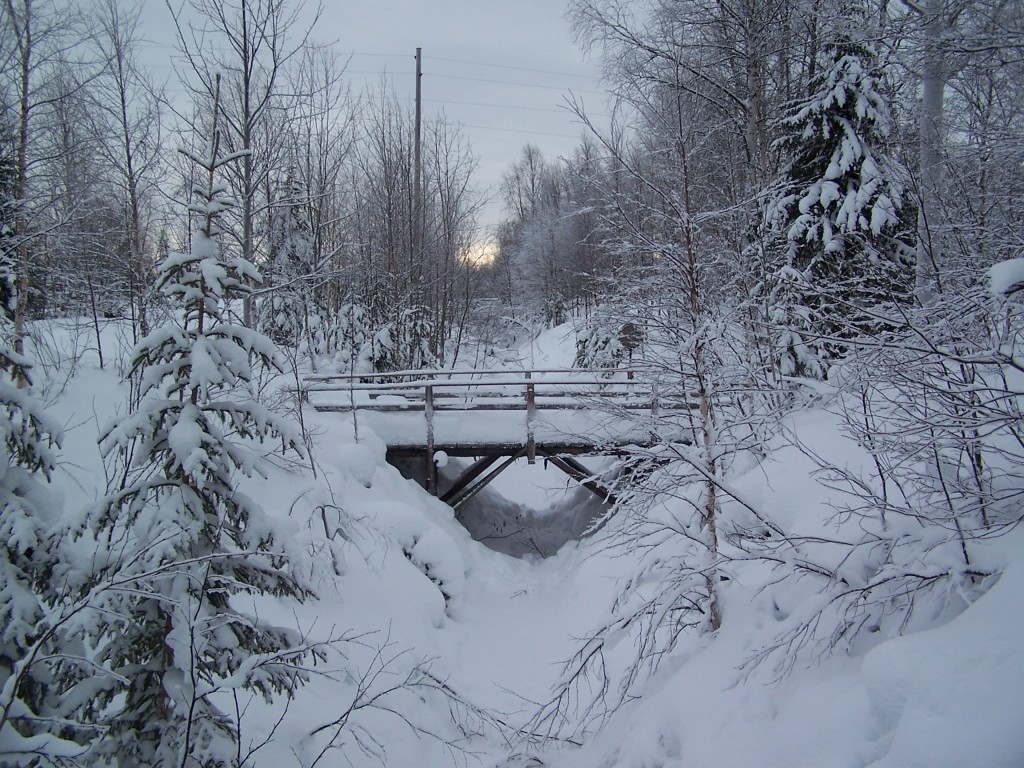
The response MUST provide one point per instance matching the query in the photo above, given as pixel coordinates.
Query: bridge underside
(494, 458)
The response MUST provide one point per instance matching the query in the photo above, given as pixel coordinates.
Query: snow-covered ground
(442, 647)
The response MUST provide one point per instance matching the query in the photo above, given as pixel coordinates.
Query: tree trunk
(928, 284)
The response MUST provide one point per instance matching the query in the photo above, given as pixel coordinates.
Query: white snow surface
(400, 578)
(1006, 277)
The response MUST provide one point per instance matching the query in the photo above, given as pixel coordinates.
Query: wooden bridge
(496, 416)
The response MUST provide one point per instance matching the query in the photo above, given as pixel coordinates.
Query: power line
(509, 82)
(365, 119)
(489, 65)
(591, 78)
(377, 55)
(389, 73)
(474, 79)
(453, 102)
(554, 110)
(518, 130)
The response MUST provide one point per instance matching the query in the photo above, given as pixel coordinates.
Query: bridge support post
(531, 414)
(428, 410)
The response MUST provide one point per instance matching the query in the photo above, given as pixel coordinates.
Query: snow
(405, 583)
(1006, 277)
(945, 698)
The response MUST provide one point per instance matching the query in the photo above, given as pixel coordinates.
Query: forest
(795, 206)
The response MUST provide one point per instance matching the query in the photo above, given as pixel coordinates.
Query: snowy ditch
(526, 511)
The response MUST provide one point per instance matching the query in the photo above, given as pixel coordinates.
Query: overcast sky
(501, 68)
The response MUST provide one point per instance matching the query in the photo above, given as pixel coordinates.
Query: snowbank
(954, 696)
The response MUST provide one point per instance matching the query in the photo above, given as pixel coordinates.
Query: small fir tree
(415, 332)
(838, 212)
(599, 347)
(188, 543)
(381, 352)
(291, 254)
(352, 333)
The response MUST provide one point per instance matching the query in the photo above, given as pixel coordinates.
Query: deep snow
(408, 589)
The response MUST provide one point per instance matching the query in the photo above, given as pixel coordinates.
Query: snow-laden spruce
(838, 213)
(284, 312)
(186, 544)
(29, 537)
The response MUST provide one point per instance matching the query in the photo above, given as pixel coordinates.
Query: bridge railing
(567, 388)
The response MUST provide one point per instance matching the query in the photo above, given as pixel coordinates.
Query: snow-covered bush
(608, 342)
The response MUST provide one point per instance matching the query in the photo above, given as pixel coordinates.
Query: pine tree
(839, 213)
(188, 543)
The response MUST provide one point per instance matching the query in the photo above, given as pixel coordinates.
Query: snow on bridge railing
(446, 374)
(379, 390)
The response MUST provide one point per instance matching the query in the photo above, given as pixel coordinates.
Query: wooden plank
(471, 491)
(582, 475)
(472, 472)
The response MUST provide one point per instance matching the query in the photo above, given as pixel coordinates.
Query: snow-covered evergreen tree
(188, 544)
(838, 212)
(29, 537)
(283, 313)
(381, 352)
(598, 347)
(415, 332)
(609, 339)
(395, 346)
(352, 333)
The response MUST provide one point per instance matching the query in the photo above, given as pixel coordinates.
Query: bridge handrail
(470, 379)
(497, 393)
(406, 386)
(439, 374)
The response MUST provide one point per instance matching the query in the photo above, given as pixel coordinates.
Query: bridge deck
(460, 432)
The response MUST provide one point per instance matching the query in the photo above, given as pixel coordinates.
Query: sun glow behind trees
(480, 254)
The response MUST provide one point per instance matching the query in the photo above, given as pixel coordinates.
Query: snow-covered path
(513, 627)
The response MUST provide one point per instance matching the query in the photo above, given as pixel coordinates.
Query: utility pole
(417, 211)
(419, 113)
